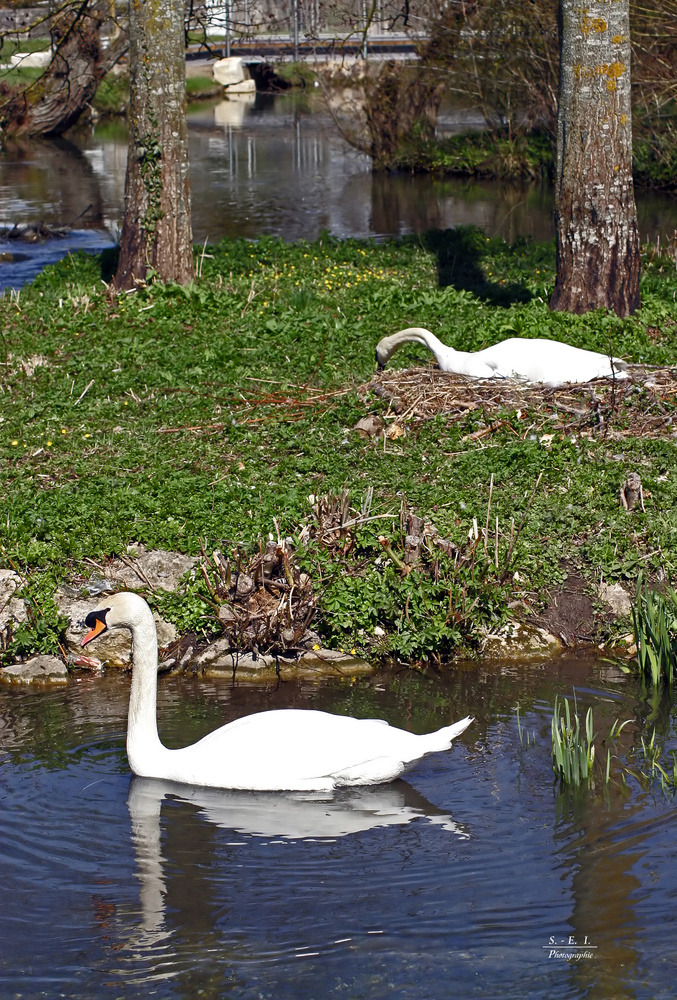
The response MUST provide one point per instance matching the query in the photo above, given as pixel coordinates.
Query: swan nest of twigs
(645, 404)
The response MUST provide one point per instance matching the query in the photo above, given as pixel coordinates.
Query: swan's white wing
(548, 361)
(303, 749)
(302, 744)
(466, 363)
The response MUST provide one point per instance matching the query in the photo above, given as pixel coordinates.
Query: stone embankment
(160, 572)
(149, 572)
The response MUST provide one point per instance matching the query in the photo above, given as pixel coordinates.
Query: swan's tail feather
(442, 739)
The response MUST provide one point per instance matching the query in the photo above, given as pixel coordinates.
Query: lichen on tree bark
(598, 263)
(156, 233)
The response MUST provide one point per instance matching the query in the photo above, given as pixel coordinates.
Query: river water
(477, 877)
(263, 165)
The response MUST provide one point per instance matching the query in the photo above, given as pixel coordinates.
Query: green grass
(20, 77)
(201, 87)
(8, 46)
(112, 95)
(181, 417)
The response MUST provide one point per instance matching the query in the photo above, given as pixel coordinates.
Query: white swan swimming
(538, 360)
(285, 749)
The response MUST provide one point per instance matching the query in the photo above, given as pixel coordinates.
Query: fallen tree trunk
(53, 103)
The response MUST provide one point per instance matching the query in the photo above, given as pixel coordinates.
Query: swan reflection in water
(281, 816)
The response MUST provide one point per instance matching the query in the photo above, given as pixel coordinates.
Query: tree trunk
(156, 232)
(598, 262)
(56, 100)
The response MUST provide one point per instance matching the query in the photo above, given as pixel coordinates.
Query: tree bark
(598, 261)
(53, 104)
(156, 232)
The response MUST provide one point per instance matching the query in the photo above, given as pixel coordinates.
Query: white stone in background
(229, 71)
(26, 59)
(38, 668)
(616, 597)
(11, 608)
(515, 640)
(244, 88)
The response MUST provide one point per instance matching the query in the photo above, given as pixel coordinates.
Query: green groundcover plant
(205, 416)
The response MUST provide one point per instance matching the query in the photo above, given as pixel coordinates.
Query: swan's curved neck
(416, 334)
(143, 742)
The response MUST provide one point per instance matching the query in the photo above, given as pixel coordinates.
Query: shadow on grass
(459, 253)
(109, 262)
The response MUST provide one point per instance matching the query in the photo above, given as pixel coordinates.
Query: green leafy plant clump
(655, 159)
(112, 95)
(654, 622)
(372, 601)
(206, 416)
(43, 628)
(653, 764)
(297, 74)
(573, 749)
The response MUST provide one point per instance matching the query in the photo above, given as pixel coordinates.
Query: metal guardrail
(270, 47)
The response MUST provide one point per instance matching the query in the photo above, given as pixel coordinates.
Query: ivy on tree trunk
(156, 233)
(598, 261)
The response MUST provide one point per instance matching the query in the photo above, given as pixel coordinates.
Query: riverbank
(230, 415)
(112, 96)
(529, 157)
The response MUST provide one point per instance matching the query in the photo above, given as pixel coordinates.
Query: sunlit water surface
(263, 166)
(471, 879)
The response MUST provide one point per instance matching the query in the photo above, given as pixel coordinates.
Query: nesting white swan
(546, 361)
(286, 749)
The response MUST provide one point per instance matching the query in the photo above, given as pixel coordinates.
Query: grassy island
(226, 413)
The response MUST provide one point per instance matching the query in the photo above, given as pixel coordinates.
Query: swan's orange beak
(98, 626)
